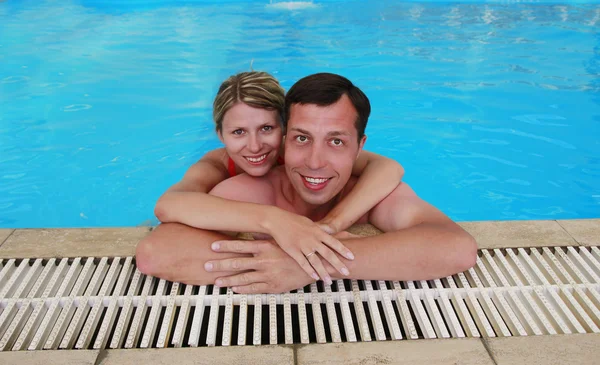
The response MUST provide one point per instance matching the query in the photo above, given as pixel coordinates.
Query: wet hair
(254, 88)
(324, 89)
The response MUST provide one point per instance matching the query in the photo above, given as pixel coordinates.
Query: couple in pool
(294, 173)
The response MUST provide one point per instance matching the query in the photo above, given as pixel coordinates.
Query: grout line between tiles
(484, 340)
(6, 239)
(564, 229)
(101, 356)
(295, 354)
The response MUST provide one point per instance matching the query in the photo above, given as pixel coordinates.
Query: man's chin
(313, 199)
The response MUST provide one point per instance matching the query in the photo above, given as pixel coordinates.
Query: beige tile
(577, 349)
(518, 234)
(585, 231)
(4, 233)
(267, 355)
(63, 357)
(72, 242)
(430, 352)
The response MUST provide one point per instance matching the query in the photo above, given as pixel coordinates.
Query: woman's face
(252, 137)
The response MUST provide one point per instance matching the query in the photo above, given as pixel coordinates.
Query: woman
(248, 113)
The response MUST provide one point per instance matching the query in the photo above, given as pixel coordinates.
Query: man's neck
(301, 207)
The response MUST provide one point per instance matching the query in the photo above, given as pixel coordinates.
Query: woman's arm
(245, 204)
(378, 177)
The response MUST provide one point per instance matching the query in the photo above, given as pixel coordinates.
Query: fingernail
(235, 288)
(219, 282)
(350, 256)
(328, 280)
(215, 246)
(208, 266)
(315, 276)
(345, 271)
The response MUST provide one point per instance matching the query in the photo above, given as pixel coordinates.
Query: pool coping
(113, 242)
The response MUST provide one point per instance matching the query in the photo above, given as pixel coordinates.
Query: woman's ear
(220, 135)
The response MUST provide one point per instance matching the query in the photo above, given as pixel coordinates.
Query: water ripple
(528, 135)
(535, 119)
(76, 107)
(14, 79)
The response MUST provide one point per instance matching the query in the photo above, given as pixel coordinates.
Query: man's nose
(315, 160)
(254, 144)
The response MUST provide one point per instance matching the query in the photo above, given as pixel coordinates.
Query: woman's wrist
(333, 221)
(268, 219)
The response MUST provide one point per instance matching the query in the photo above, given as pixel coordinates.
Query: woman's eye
(267, 128)
(337, 142)
(301, 139)
(238, 132)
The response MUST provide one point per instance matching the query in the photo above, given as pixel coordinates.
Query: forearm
(378, 180)
(178, 253)
(422, 252)
(210, 212)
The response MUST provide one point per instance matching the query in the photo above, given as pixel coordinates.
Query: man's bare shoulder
(248, 188)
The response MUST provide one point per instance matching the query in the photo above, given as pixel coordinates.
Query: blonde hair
(254, 88)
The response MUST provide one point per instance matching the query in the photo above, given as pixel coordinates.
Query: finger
(315, 261)
(326, 228)
(338, 246)
(239, 246)
(242, 279)
(235, 264)
(333, 259)
(255, 288)
(305, 264)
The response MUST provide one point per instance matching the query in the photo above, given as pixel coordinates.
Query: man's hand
(269, 270)
(307, 243)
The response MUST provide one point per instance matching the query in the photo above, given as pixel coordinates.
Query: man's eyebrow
(330, 134)
(339, 133)
(300, 130)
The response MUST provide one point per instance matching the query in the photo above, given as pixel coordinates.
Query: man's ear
(361, 144)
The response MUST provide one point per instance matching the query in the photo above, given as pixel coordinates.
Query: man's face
(321, 146)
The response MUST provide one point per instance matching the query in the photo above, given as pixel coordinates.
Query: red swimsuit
(231, 165)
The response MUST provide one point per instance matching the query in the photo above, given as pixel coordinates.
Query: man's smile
(315, 183)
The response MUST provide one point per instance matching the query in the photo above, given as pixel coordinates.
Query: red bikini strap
(231, 167)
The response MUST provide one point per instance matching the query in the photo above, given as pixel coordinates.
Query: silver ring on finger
(310, 254)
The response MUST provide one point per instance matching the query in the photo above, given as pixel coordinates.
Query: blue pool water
(492, 108)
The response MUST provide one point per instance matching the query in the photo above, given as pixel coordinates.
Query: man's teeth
(315, 181)
(258, 159)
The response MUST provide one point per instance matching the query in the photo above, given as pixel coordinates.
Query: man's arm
(419, 242)
(177, 252)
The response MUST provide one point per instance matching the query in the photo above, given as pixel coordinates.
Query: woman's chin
(258, 171)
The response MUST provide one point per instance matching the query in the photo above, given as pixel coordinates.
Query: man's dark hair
(324, 89)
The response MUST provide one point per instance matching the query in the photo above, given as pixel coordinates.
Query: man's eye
(337, 142)
(301, 139)
(267, 128)
(238, 132)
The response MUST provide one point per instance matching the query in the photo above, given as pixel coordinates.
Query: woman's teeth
(258, 159)
(314, 180)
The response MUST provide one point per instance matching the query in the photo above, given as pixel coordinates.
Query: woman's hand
(329, 225)
(307, 243)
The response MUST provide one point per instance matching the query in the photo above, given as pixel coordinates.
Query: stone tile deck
(4, 233)
(267, 355)
(564, 349)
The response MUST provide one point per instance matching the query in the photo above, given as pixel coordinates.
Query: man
(326, 116)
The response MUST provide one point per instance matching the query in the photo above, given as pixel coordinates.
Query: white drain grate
(104, 302)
